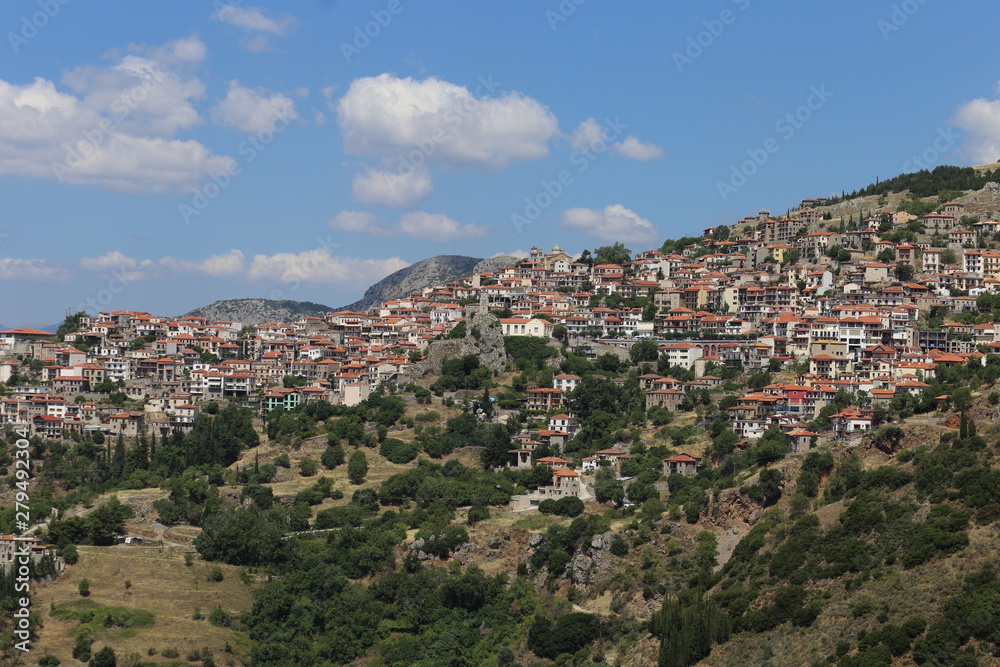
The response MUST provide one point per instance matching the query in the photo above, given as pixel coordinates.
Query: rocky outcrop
(483, 338)
(430, 272)
(258, 311)
(732, 507)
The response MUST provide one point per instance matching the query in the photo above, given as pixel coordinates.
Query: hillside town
(848, 307)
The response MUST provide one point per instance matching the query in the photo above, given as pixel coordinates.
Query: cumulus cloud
(231, 263)
(416, 224)
(186, 50)
(980, 119)
(316, 266)
(254, 19)
(116, 128)
(438, 227)
(256, 23)
(358, 222)
(252, 110)
(384, 188)
(434, 121)
(634, 149)
(586, 133)
(591, 133)
(320, 267)
(38, 270)
(613, 223)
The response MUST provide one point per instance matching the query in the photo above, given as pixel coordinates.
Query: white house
(519, 326)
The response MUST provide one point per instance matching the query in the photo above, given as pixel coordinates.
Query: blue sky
(160, 155)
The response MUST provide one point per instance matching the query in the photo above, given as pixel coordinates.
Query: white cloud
(231, 263)
(186, 50)
(614, 223)
(142, 96)
(383, 188)
(586, 133)
(591, 133)
(116, 264)
(438, 227)
(512, 253)
(358, 222)
(39, 270)
(980, 119)
(115, 129)
(316, 266)
(320, 267)
(252, 110)
(111, 260)
(634, 149)
(416, 224)
(435, 121)
(254, 19)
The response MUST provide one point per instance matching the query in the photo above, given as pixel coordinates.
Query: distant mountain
(257, 311)
(428, 273)
(38, 327)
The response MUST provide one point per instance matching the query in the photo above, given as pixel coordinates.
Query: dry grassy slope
(162, 585)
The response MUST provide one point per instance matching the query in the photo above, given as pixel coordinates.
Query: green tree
(613, 254)
(357, 467)
(332, 456)
(104, 658)
(904, 271)
(644, 350)
(243, 536)
(308, 467)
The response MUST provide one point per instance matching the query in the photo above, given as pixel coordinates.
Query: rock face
(258, 311)
(483, 338)
(431, 272)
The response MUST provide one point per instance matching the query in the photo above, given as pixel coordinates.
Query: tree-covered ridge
(930, 183)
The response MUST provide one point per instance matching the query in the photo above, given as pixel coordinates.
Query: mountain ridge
(430, 272)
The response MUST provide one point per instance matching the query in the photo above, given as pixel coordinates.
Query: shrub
(215, 574)
(220, 617)
(569, 634)
(619, 547)
(282, 461)
(104, 658)
(84, 587)
(308, 467)
(398, 451)
(570, 506)
(332, 457)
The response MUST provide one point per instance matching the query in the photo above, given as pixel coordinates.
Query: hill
(256, 311)
(428, 273)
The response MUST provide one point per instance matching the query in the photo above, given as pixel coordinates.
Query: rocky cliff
(483, 338)
(431, 272)
(256, 311)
